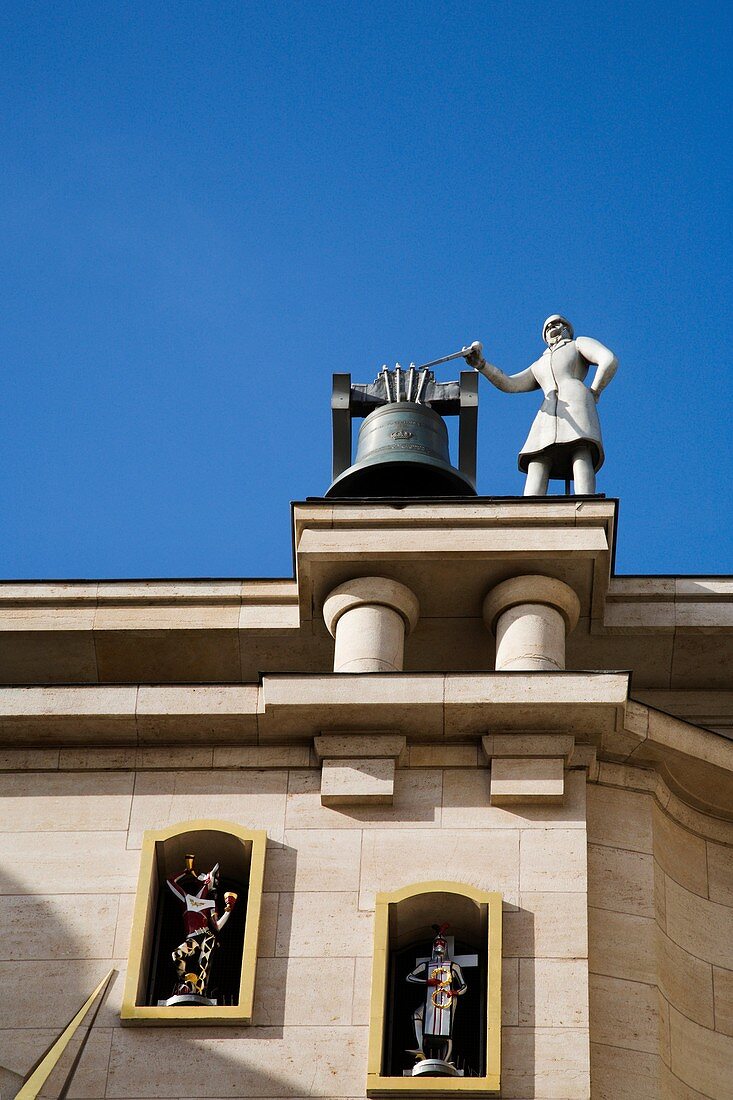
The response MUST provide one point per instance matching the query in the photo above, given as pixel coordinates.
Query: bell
(402, 450)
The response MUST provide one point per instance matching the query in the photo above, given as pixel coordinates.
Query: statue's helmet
(558, 317)
(440, 944)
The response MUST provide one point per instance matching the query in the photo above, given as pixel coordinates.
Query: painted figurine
(202, 925)
(565, 438)
(434, 1017)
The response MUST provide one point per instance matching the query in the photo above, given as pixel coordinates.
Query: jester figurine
(435, 1015)
(202, 925)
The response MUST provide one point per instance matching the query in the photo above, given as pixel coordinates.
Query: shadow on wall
(56, 947)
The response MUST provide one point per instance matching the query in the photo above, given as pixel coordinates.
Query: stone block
(57, 926)
(698, 925)
(269, 616)
(672, 1088)
(700, 1057)
(624, 1013)
(358, 782)
(103, 712)
(622, 945)
(660, 897)
(720, 873)
(266, 1062)
(466, 804)
(443, 756)
(621, 881)
(526, 780)
(174, 756)
(267, 941)
(361, 1007)
(313, 860)
(553, 993)
(686, 981)
(547, 925)
(21, 1047)
(172, 712)
(107, 759)
(49, 992)
(548, 1062)
(261, 756)
(63, 862)
(392, 858)
(553, 859)
(528, 744)
(723, 990)
(323, 924)
(619, 819)
(365, 745)
(620, 1074)
(46, 801)
(123, 927)
(680, 853)
(288, 989)
(416, 804)
(251, 799)
(26, 760)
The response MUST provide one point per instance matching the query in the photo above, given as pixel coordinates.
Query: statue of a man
(202, 924)
(434, 1017)
(565, 438)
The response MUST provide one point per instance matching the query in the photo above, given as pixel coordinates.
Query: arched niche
(403, 933)
(157, 923)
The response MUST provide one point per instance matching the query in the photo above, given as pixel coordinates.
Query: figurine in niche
(202, 924)
(434, 1017)
(565, 438)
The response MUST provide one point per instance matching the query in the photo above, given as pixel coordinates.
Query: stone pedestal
(531, 616)
(369, 618)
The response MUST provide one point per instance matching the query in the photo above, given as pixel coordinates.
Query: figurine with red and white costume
(202, 924)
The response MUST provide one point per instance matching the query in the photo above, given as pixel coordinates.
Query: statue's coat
(567, 415)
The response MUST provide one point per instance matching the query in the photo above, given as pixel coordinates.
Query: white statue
(565, 438)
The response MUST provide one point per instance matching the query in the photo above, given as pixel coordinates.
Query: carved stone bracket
(358, 769)
(529, 769)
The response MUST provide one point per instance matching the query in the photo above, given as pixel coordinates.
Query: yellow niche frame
(489, 1084)
(142, 928)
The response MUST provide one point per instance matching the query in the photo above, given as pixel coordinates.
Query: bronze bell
(402, 450)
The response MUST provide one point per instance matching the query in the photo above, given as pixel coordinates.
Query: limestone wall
(72, 835)
(618, 937)
(661, 945)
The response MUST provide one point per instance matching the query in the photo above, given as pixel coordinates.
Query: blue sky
(208, 208)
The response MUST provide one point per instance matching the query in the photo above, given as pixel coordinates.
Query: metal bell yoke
(402, 448)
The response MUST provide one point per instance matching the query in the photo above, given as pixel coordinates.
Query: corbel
(358, 769)
(529, 768)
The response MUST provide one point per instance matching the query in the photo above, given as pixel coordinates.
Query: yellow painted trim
(31, 1088)
(489, 1084)
(241, 1013)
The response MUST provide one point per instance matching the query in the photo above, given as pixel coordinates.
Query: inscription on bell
(400, 434)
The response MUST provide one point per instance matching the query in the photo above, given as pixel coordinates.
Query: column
(369, 617)
(531, 617)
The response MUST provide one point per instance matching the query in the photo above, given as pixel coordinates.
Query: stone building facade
(508, 718)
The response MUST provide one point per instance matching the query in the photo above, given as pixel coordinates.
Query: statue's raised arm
(564, 441)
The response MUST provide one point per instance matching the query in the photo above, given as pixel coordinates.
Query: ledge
(295, 708)
(446, 709)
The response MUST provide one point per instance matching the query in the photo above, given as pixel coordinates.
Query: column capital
(532, 589)
(372, 592)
